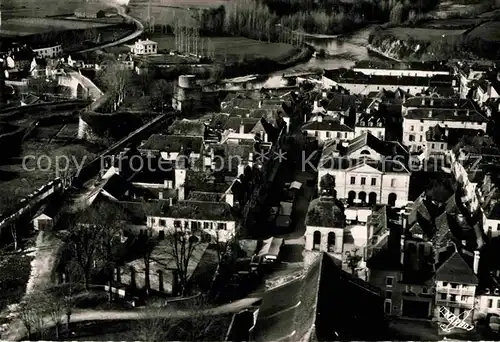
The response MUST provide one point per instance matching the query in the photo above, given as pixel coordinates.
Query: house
(469, 73)
(325, 222)
(370, 123)
(54, 68)
(456, 283)
(421, 113)
(47, 215)
(185, 127)
(171, 147)
(361, 84)
(246, 130)
(436, 140)
(408, 69)
(145, 47)
(328, 129)
(216, 219)
(126, 61)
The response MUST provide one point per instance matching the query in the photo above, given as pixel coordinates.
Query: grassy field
(29, 26)
(169, 11)
(234, 48)
(448, 24)
(489, 31)
(37, 8)
(421, 34)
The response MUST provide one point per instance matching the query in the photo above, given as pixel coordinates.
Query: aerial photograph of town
(249, 170)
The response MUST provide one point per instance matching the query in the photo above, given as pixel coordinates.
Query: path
(18, 331)
(137, 33)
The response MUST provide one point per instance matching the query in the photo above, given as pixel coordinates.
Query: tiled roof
(326, 125)
(240, 112)
(439, 103)
(200, 210)
(385, 148)
(341, 102)
(235, 124)
(386, 259)
(435, 133)
(350, 76)
(173, 143)
(455, 270)
(187, 128)
(204, 196)
(420, 66)
(156, 175)
(116, 186)
(446, 114)
(442, 236)
(342, 163)
(324, 212)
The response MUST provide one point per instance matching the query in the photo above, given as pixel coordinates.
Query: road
(18, 331)
(137, 33)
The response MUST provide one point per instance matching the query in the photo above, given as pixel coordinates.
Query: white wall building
(49, 52)
(416, 69)
(328, 129)
(145, 47)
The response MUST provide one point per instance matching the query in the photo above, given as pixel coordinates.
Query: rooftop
(417, 66)
(342, 163)
(454, 269)
(173, 143)
(326, 125)
(201, 210)
(464, 115)
(325, 212)
(385, 148)
(187, 127)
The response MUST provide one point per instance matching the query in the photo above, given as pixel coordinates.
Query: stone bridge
(81, 87)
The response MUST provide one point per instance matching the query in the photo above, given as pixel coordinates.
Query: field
(169, 11)
(37, 8)
(448, 24)
(489, 31)
(30, 26)
(421, 34)
(234, 48)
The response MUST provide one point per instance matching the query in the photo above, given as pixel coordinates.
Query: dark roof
(436, 133)
(326, 125)
(445, 114)
(204, 196)
(235, 124)
(200, 210)
(350, 76)
(443, 236)
(420, 66)
(385, 148)
(239, 112)
(455, 270)
(493, 212)
(386, 259)
(173, 143)
(341, 102)
(324, 212)
(187, 128)
(439, 103)
(116, 186)
(341, 163)
(156, 175)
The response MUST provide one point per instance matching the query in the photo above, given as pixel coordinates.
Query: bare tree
(116, 79)
(182, 245)
(55, 307)
(222, 245)
(353, 260)
(29, 316)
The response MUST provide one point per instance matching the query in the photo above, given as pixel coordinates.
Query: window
(421, 128)
(441, 313)
(363, 180)
(195, 226)
(163, 223)
(206, 225)
(387, 307)
(490, 303)
(339, 135)
(328, 134)
(498, 304)
(389, 281)
(186, 224)
(411, 137)
(412, 128)
(453, 285)
(388, 295)
(432, 145)
(442, 146)
(443, 296)
(345, 135)
(316, 134)
(453, 297)
(393, 182)
(374, 181)
(420, 138)
(463, 298)
(353, 180)
(221, 226)
(445, 284)
(424, 290)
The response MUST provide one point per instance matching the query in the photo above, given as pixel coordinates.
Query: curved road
(17, 330)
(132, 36)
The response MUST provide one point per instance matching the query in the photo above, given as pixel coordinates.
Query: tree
(181, 246)
(31, 313)
(116, 79)
(160, 92)
(56, 308)
(397, 13)
(353, 260)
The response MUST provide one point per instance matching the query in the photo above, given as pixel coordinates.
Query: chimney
(160, 195)
(316, 102)
(455, 112)
(423, 101)
(250, 159)
(242, 128)
(404, 222)
(323, 94)
(230, 199)
(446, 131)
(430, 113)
(432, 102)
(341, 120)
(467, 113)
(320, 118)
(476, 261)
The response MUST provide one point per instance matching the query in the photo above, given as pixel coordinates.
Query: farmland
(234, 48)
(37, 8)
(421, 34)
(35, 26)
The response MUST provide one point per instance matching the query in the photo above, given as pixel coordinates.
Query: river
(343, 51)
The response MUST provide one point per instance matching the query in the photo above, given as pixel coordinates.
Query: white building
(370, 171)
(370, 124)
(325, 129)
(145, 47)
(194, 217)
(170, 147)
(410, 69)
(422, 113)
(49, 52)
